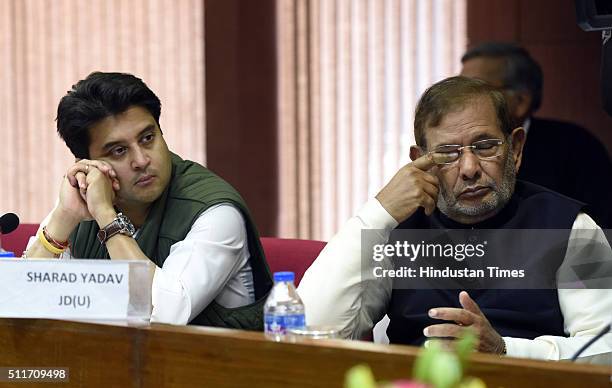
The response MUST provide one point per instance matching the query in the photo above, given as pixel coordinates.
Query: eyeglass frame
(472, 146)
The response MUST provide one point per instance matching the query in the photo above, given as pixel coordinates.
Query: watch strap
(121, 224)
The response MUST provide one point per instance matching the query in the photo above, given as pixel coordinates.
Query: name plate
(65, 289)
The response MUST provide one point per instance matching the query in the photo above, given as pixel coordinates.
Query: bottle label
(278, 324)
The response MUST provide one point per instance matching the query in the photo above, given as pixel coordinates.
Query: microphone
(585, 346)
(8, 223)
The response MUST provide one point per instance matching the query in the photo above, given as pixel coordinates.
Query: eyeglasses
(483, 149)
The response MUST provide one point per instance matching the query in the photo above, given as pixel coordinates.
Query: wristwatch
(121, 224)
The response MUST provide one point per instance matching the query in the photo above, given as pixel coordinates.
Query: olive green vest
(192, 190)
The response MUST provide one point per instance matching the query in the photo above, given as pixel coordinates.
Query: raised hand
(410, 188)
(77, 174)
(73, 206)
(100, 195)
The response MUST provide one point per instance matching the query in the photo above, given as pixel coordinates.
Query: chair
(282, 254)
(17, 240)
(296, 256)
(291, 254)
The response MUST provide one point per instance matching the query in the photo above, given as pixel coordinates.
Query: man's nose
(469, 166)
(140, 159)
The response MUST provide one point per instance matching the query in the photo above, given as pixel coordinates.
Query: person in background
(463, 176)
(127, 196)
(561, 156)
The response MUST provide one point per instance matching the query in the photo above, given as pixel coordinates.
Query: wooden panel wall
(241, 102)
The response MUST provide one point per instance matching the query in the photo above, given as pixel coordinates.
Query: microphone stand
(606, 68)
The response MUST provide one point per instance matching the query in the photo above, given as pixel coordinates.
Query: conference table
(156, 355)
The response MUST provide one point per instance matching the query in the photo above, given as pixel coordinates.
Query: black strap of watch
(121, 224)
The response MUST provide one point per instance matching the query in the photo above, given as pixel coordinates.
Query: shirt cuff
(374, 216)
(526, 348)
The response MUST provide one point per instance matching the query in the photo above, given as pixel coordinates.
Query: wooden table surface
(121, 355)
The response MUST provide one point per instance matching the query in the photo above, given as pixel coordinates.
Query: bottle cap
(284, 276)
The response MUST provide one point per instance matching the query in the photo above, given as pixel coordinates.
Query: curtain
(48, 45)
(350, 74)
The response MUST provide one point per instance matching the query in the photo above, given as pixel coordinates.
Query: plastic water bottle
(283, 309)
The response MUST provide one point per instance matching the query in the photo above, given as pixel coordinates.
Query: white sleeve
(585, 311)
(198, 268)
(333, 289)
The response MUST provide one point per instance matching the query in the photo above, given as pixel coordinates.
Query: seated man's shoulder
(545, 196)
(188, 168)
(192, 178)
(571, 140)
(570, 133)
(547, 123)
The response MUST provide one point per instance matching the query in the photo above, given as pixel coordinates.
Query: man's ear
(518, 142)
(521, 105)
(415, 152)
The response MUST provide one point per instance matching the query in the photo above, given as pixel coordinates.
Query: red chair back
(282, 254)
(291, 254)
(17, 240)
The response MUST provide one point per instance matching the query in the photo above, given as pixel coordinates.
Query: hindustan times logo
(404, 249)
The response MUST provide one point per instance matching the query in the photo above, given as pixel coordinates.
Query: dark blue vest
(513, 313)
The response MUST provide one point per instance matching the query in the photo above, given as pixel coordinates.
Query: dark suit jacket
(568, 159)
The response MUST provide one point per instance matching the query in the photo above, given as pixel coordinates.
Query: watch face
(126, 226)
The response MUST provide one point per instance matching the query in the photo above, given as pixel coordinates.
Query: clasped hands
(89, 187)
(488, 340)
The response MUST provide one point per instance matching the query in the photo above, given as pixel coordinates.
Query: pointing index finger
(424, 162)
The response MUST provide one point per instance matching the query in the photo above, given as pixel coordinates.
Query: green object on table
(435, 367)
(442, 368)
(465, 346)
(438, 367)
(360, 376)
